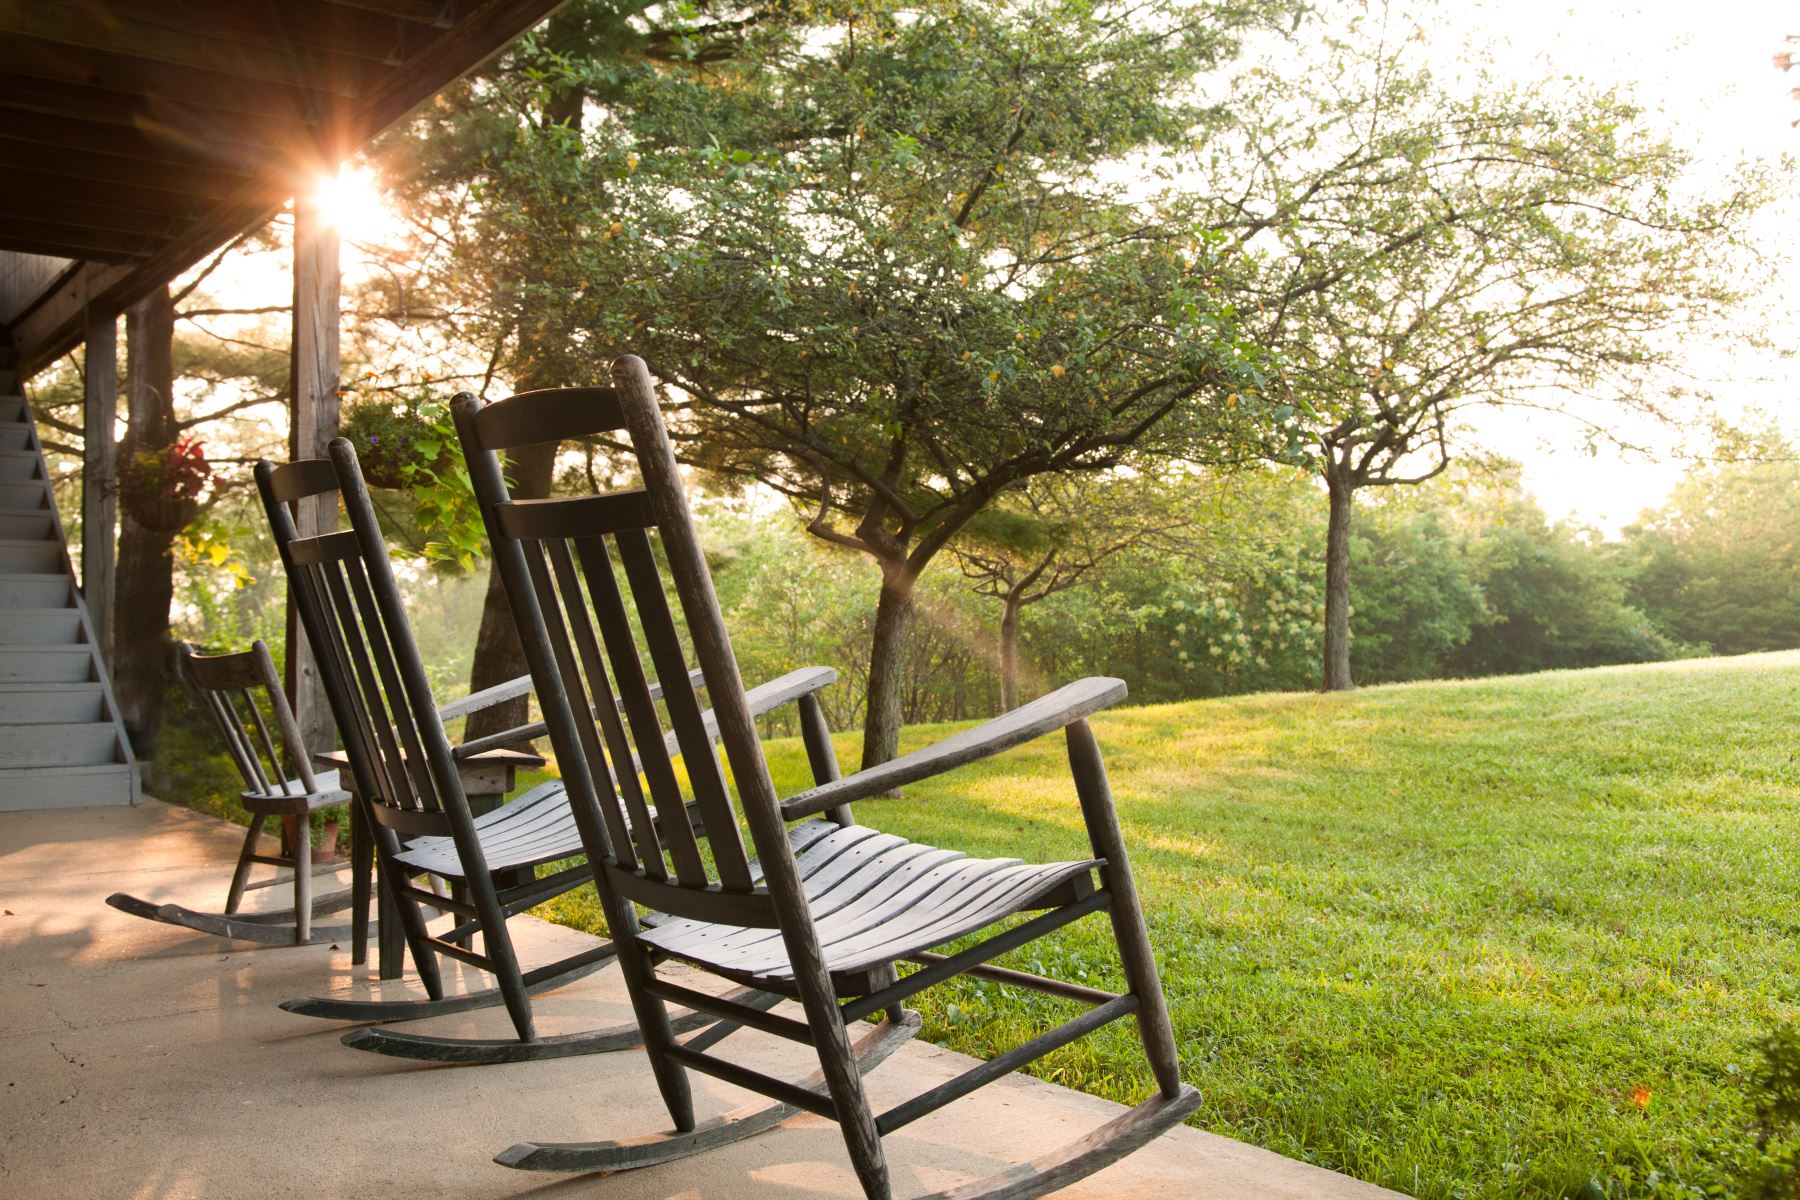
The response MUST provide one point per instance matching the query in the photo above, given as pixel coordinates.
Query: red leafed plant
(161, 488)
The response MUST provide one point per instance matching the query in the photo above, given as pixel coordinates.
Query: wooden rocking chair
(828, 908)
(229, 686)
(411, 780)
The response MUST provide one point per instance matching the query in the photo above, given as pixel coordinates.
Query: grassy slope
(1490, 938)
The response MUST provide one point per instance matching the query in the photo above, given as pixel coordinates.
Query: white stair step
(40, 627)
(12, 408)
(51, 703)
(46, 664)
(30, 557)
(66, 787)
(26, 525)
(88, 743)
(18, 464)
(35, 591)
(25, 493)
(15, 437)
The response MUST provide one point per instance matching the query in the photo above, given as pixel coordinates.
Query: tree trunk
(1337, 583)
(887, 660)
(146, 572)
(1009, 654)
(498, 654)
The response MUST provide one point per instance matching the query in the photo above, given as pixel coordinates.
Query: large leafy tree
(1429, 246)
(1718, 565)
(895, 268)
(453, 169)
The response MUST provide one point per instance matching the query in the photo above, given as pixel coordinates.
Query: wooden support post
(99, 473)
(314, 423)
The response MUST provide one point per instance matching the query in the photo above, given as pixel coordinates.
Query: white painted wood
(99, 473)
(30, 494)
(58, 745)
(35, 591)
(36, 558)
(26, 525)
(46, 664)
(61, 743)
(51, 704)
(66, 787)
(40, 627)
(18, 464)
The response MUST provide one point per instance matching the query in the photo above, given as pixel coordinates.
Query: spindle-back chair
(827, 909)
(411, 779)
(242, 695)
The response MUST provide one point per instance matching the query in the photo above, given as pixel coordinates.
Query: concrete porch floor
(142, 1060)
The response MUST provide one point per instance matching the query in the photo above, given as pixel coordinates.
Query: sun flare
(352, 204)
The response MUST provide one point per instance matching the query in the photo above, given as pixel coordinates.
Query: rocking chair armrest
(474, 702)
(783, 689)
(1059, 709)
(537, 729)
(765, 697)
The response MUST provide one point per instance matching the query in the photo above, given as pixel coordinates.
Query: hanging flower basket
(160, 489)
(395, 442)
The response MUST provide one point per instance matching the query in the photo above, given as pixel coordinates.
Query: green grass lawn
(1508, 937)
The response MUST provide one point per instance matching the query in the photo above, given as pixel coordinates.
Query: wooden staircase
(62, 744)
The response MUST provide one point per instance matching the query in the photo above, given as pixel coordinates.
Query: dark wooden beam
(439, 14)
(48, 187)
(194, 121)
(157, 146)
(278, 26)
(80, 241)
(157, 83)
(109, 169)
(25, 245)
(99, 472)
(21, 206)
(195, 48)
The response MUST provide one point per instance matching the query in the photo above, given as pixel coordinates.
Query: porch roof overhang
(137, 136)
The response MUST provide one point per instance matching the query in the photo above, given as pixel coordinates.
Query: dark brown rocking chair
(829, 908)
(238, 690)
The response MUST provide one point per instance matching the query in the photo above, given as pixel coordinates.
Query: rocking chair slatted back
(228, 685)
(385, 716)
(590, 560)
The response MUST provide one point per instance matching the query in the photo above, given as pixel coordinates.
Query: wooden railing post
(100, 473)
(314, 423)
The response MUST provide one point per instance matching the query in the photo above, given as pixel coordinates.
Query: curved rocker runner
(829, 909)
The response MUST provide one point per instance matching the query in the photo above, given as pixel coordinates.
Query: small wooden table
(487, 779)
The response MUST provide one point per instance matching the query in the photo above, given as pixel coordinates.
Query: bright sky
(1704, 71)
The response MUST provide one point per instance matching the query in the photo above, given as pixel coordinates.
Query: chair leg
(837, 1061)
(241, 876)
(302, 880)
(1126, 911)
(652, 1014)
(362, 865)
(406, 913)
(496, 943)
